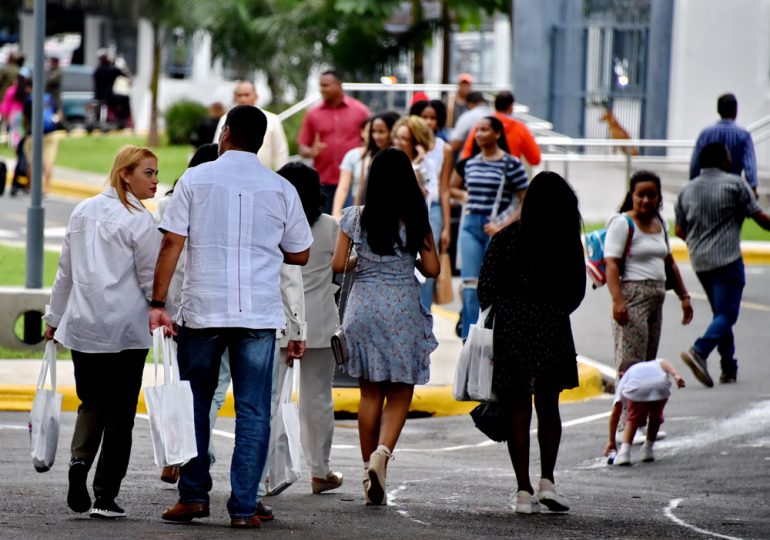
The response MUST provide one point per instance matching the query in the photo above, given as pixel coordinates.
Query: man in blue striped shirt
(709, 214)
(735, 138)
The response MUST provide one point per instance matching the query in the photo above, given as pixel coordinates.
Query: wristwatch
(157, 304)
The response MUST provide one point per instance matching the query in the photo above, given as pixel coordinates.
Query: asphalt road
(13, 219)
(710, 479)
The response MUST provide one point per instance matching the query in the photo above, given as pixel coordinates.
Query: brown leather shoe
(184, 512)
(170, 474)
(245, 523)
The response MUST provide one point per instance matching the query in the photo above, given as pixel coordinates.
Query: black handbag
(493, 419)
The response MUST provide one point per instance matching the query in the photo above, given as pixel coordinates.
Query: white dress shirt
(99, 301)
(274, 152)
(239, 217)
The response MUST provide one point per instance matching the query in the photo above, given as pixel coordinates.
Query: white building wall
(719, 47)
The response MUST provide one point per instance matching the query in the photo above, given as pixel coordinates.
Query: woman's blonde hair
(421, 133)
(128, 159)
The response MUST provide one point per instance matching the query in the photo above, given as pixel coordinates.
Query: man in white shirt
(478, 108)
(275, 149)
(241, 222)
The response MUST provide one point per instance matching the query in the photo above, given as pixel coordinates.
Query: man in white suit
(275, 149)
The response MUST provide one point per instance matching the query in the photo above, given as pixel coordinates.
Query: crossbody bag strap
(345, 270)
(500, 188)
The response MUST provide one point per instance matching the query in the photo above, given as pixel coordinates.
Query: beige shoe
(366, 483)
(333, 480)
(378, 463)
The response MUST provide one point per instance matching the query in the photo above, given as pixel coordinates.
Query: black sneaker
(726, 378)
(78, 498)
(264, 512)
(105, 509)
(698, 366)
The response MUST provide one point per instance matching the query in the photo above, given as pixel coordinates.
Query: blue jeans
(473, 243)
(436, 222)
(251, 365)
(724, 288)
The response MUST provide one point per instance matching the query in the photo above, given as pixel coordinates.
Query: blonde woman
(99, 309)
(415, 138)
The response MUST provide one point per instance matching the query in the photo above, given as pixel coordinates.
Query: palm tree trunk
(446, 45)
(418, 69)
(152, 138)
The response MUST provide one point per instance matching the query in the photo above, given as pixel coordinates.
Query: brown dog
(617, 132)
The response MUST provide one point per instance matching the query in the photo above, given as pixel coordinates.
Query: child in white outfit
(643, 390)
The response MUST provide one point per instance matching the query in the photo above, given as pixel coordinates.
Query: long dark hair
(205, 153)
(497, 127)
(637, 177)
(308, 185)
(389, 118)
(550, 224)
(393, 198)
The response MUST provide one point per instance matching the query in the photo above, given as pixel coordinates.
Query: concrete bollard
(15, 301)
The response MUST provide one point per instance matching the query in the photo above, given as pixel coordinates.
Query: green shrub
(182, 119)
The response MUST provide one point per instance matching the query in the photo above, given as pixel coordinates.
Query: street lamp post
(36, 212)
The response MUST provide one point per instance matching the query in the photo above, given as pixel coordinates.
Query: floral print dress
(389, 333)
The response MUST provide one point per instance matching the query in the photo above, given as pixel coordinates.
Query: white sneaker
(647, 455)
(526, 503)
(378, 463)
(551, 497)
(624, 455)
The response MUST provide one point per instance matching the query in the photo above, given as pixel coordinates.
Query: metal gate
(599, 77)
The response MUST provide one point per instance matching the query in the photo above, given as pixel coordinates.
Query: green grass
(751, 231)
(95, 153)
(13, 273)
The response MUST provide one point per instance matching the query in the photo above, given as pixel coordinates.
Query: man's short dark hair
(503, 101)
(727, 106)
(247, 127)
(714, 156)
(334, 73)
(474, 98)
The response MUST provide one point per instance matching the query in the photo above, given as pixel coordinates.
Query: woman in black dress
(534, 276)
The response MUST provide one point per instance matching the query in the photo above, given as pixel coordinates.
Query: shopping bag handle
(163, 347)
(288, 386)
(49, 364)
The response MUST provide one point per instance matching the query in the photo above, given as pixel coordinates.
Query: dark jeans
(108, 387)
(251, 367)
(724, 288)
(329, 191)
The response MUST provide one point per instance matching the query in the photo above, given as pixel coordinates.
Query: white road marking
(669, 513)
(744, 304)
(54, 232)
(14, 426)
(4, 233)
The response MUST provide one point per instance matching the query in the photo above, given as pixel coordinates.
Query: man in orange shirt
(521, 143)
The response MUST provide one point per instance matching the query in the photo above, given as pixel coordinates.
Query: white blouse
(100, 299)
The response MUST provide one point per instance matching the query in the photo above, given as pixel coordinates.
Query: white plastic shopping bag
(478, 348)
(460, 384)
(44, 417)
(283, 458)
(170, 408)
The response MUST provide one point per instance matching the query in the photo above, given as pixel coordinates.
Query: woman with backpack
(636, 271)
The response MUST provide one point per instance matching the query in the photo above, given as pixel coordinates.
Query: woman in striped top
(495, 183)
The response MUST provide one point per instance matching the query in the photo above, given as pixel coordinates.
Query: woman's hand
(492, 228)
(446, 238)
(687, 312)
(620, 312)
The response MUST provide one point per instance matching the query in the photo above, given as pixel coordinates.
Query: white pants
(316, 407)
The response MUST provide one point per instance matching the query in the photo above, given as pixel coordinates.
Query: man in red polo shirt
(520, 141)
(330, 130)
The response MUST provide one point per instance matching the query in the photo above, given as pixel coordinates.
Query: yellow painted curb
(428, 400)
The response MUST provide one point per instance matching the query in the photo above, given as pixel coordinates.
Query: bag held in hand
(283, 457)
(44, 417)
(170, 408)
(473, 375)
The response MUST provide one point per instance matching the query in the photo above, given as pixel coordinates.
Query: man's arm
(170, 248)
(762, 219)
(750, 162)
(529, 148)
(299, 259)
